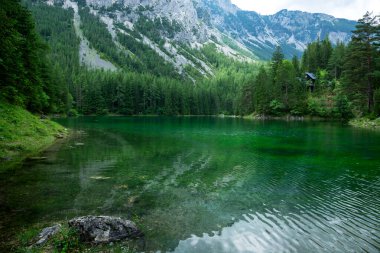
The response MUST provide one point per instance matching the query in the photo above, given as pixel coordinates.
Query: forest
(184, 184)
(40, 71)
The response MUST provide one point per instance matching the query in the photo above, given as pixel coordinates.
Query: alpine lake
(208, 184)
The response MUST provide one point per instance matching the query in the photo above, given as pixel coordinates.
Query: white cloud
(350, 9)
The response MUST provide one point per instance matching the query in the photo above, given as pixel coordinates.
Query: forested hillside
(347, 78)
(50, 77)
(145, 83)
(27, 78)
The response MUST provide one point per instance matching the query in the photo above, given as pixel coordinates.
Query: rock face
(46, 234)
(104, 229)
(177, 30)
(201, 20)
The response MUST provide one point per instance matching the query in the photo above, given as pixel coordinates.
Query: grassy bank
(366, 123)
(288, 117)
(23, 134)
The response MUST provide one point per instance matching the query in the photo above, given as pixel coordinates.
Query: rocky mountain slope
(176, 30)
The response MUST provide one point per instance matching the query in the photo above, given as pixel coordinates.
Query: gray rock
(47, 233)
(104, 229)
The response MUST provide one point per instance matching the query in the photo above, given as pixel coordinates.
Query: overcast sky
(350, 9)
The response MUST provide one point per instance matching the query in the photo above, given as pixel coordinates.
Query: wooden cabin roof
(311, 76)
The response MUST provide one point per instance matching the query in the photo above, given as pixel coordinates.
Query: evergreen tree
(276, 61)
(326, 50)
(23, 68)
(286, 85)
(296, 65)
(336, 61)
(360, 62)
(262, 95)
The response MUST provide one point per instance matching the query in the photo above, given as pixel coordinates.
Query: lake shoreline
(24, 135)
(289, 117)
(365, 123)
(181, 179)
(250, 117)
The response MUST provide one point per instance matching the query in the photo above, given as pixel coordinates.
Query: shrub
(73, 113)
(276, 108)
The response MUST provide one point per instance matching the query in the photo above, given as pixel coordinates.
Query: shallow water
(209, 184)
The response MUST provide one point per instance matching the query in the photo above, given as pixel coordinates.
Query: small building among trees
(310, 81)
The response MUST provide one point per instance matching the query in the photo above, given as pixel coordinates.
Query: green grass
(22, 134)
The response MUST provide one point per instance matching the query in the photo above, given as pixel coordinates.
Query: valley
(205, 127)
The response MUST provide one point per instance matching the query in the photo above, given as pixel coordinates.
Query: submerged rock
(47, 233)
(104, 229)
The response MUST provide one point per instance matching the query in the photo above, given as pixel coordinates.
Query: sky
(349, 9)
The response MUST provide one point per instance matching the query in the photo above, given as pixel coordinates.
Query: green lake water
(202, 184)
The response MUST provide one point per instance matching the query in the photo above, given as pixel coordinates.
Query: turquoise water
(202, 184)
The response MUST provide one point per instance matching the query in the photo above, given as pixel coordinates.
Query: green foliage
(317, 56)
(158, 28)
(262, 92)
(336, 61)
(347, 79)
(360, 68)
(147, 84)
(376, 95)
(366, 123)
(232, 44)
(296, 65)
(99, 37)
(276, 61)
(316, 107)
(25, 75)
(276, 108)
(23, 134)
(72, 113)
(144, 59)
(67, 241)
(342, 107)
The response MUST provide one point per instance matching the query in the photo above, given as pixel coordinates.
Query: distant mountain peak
(167, 26)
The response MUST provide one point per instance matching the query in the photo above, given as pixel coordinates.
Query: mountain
(176, 31)
(292, 30)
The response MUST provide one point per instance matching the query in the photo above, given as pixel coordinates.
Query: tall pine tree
(360, 62)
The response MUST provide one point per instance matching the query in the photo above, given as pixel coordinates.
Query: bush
(102, 112)
(73, 113)
(296, 112)
(321, 106)
(67, 241)
(342, 107)
(276, 108)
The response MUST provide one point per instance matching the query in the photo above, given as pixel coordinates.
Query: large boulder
(104, 229)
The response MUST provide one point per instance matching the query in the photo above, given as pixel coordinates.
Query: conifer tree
(360, 63)
(277, 58)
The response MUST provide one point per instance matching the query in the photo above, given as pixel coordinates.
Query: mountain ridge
(176, 29)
